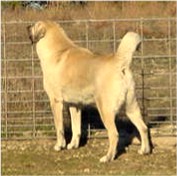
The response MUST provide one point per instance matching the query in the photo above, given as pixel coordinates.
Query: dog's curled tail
(127, 47)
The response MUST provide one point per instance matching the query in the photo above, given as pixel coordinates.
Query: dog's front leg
(76, 127)
(57, 108)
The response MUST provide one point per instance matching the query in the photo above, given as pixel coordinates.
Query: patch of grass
(38, 158)
(93, 10)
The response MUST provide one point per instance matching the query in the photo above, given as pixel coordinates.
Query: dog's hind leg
(108, 118)
(134, 114)
(76, 127)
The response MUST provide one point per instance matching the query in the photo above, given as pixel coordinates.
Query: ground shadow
(90, 116)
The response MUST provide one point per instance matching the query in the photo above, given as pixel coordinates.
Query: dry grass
(38, 158)
(94, 10)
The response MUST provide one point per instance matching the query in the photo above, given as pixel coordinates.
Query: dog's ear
(40, 31)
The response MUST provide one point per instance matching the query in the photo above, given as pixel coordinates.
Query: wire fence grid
(25, 109)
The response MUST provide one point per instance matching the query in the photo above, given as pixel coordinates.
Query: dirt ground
(37, 157)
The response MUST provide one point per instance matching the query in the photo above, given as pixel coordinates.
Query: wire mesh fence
(25, 109)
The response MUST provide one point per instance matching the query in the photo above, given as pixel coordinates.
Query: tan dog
(76, 76)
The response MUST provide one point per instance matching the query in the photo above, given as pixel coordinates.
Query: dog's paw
(144, 151)
(70, 146)
(106, 159)
(57, 148)
(60, 146)
(73, 145)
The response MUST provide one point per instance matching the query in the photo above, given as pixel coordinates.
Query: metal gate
(25, 110)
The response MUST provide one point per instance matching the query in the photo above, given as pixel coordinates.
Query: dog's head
(36, 31)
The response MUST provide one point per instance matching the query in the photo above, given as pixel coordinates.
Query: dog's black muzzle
(30, 34)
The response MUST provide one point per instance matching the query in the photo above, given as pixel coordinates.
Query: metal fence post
(5, 81)
(86, 34)
(170, 72)
(114, 35)
(142, 68)
(33, 92)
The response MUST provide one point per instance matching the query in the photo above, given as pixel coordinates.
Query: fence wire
(25, 109)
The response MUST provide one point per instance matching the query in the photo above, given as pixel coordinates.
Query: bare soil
(37, 157)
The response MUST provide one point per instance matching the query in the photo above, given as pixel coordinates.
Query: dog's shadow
(126, 130)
